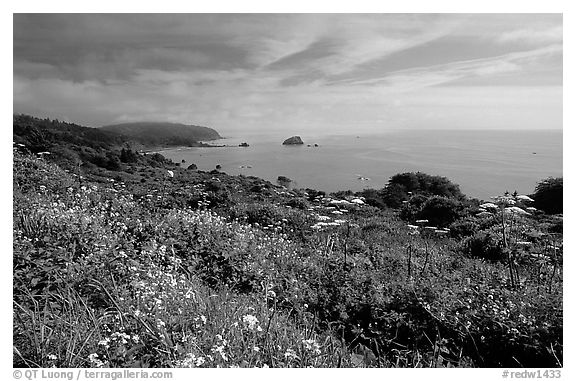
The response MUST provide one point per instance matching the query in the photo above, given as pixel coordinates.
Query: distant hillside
(163, 134)
(42, 134)
(70, 145)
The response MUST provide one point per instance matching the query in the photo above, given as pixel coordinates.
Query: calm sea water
(483, 163)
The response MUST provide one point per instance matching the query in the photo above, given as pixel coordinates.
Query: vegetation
(548, 195)
(154, 265)
(164, 134)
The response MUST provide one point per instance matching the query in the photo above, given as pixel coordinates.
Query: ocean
(484, 163)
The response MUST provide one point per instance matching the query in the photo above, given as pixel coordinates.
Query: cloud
(532, 36)
(350, 41)
(415, 78)
(236, 72)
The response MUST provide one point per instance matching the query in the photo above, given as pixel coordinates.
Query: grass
(209, 270)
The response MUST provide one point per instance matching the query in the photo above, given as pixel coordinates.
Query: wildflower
(489, 205)
(170, 173)
(200, 360)
(515, 210)
(220, 350)
(94, 360)
(52, 357)
(290, 354)
(312, 346)
(105, 342)
(203, 318)
(191, 361)
(256, 349)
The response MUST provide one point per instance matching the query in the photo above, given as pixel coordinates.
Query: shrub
(484, 245)
(464, 228)
(284, 181)
(393, 195)
(375, 198)
(426, 184)
(412, 208)
(548, 195)
(441, 211)
(128, 156)
(313, 193)
(298, 203)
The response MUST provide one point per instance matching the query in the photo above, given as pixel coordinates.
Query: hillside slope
(130, 260)
(42, 134)
(160, 133)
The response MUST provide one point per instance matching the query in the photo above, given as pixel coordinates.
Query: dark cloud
(111, 47)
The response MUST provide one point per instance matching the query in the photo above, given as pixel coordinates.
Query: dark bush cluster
(548, 195)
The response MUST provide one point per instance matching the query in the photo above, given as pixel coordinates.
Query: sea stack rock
(293, 141)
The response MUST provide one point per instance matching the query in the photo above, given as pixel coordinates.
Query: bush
(298, 203)
(283, 181)
(313, 193)
(128, 156)
(375, 198)
(464, 228)
(410, 209)
(393, 195)
(484, 245)
(441, 211)
(426, 184)
(548, 195)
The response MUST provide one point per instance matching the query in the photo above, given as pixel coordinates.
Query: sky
(269, 73)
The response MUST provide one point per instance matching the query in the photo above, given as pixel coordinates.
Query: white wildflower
(290, 354)
(312, 346)
(251, 321)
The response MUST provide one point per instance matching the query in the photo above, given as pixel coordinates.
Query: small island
(294, 140)
(243, 145)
